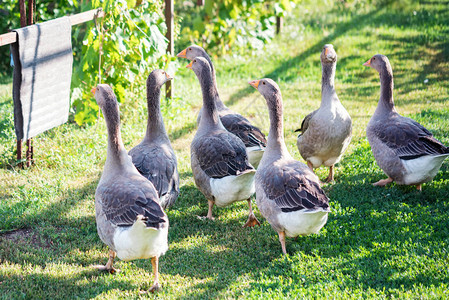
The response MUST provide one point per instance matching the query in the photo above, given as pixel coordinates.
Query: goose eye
(194, 60)
(374, 58)
(190, 48)
(263, 82)
(163, 72)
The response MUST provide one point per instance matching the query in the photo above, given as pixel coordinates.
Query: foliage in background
(45, 10)
(222, 25)
(131, 40)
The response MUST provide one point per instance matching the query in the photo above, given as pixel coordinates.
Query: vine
(130, 40)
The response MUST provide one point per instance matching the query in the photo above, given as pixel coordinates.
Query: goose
(404, 149)
(219, 160)
(129, 218)
(235, 123)
(288, 193)
(154, 157)
(326, 132)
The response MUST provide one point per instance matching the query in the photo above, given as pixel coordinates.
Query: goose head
(380, 63)
(267, 87)
(201, 67)
(191, 52)
(328, 54)
(104, 95)
(158, 78)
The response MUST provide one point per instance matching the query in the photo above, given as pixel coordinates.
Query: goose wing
(221, 155)
(305, 122)
(158, 166)
(408, 138)
(291, 190)
(241, 127)
(126, 198)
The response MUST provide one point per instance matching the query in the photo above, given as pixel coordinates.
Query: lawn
(378, 243)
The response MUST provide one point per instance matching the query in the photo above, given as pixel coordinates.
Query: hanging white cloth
(43, 61)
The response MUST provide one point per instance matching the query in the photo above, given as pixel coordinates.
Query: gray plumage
(326, 132)
(252, 137)
(122, 193)
(219, 160)
(154, 157)
(288, 193)
(404, 149)
(128, 215)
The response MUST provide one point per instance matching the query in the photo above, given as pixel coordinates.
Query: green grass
(378, 243)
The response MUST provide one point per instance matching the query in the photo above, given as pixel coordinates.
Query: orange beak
(254, 83)
(368, 63)
(189, 66)
(169, 77)
(182, 54)
(325, 51)
(93, 90)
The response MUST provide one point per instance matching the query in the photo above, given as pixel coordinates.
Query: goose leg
(383, 182)
(155, 263)
(282, 240)
(252, 220)
(330, 178)
(209, 212)
(108, 267)
(419, 187)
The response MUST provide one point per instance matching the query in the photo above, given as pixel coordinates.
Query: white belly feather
(302, 222)
(232, 188)
(140, 242)
(255, 154)
(422, 169)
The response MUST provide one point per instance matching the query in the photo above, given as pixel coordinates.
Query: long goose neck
(219, 104)
(386, 103)
(116, 152)
(328, 83)
(155, 124)
(276, 143)
(209, 115)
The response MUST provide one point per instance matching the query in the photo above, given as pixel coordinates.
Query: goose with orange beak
(288, 193)
(235, 123)
(404, 149)
(220, 165)
(127, 212)
(154, 157)
(326, 132)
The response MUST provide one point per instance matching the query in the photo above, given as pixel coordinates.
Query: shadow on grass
(45, 286)
(390, 239)
(358, 21)
(374, 18)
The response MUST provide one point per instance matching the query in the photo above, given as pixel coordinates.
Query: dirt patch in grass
(26, 236)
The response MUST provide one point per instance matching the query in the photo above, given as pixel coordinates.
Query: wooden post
(23, 23)
(23, 13)
(29, 152)
(279, 24)
(169, 11)
(30, 12)
(19, 153)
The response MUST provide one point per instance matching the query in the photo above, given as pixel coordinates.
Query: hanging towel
(42, 74)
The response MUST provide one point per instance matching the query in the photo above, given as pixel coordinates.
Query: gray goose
(235, 123)
(129, 218)
(154, 157)
(405, 150)
(219, 160)
(326, 132)
(288, 193)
